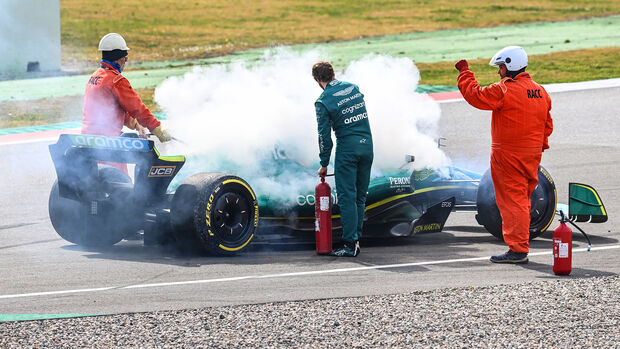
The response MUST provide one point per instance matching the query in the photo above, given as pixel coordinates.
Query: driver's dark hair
(513, 74)
(323, 71)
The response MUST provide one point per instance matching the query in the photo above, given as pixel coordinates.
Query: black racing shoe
(510, 257)
(350, 249)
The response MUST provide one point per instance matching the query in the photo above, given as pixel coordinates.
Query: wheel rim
(539, 206)
(231, 216)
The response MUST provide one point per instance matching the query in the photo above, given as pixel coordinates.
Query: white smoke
(402, 121)
(239, 110)
(234, 115)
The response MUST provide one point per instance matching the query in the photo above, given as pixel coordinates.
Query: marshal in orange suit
(111, 103)
(520, 127)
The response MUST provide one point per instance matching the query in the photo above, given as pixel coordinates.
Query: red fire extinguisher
(323, 215)
(563, 246)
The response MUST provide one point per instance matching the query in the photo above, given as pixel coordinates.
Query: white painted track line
(282, 275)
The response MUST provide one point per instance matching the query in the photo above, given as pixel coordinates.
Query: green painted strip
(474, 43)
(445, 45)
(57, 126)
(61, 86)
(28, 317)
(435, 88)
(38, 128)
(449, 45)
(160, 116)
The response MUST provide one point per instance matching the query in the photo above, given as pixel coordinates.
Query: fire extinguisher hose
(584, 234)
(564, 219)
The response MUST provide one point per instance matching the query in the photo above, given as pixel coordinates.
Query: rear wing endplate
(584, 204)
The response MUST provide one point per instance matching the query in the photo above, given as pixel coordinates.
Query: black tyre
(74, 222)
(543, 203)
(217, 210)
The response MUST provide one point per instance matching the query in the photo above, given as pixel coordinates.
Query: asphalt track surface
(43, 274)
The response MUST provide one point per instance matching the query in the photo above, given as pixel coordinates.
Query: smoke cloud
(238, 118)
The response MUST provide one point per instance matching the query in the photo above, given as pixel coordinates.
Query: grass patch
(147, 95)
(189, 29)
(53, 110)
(569, 66)
(40, 112)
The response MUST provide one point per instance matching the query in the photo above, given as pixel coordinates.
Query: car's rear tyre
(74, 222)
(217, 210)
(543, 203)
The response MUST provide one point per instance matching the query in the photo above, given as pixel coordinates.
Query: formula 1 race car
(94, 203)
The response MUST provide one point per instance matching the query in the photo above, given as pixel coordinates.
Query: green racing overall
(341, 106)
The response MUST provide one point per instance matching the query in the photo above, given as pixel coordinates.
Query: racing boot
(349, 249)
(510, 257)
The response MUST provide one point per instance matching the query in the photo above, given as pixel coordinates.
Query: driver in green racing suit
(341, 106)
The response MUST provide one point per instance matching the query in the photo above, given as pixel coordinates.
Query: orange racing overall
(109, 103)
(520, 127)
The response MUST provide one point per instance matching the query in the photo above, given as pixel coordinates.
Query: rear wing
(75, 158)
(584, 204)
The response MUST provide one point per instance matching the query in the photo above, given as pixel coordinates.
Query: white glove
(162, 134)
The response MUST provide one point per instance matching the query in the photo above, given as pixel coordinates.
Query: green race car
(173, 199)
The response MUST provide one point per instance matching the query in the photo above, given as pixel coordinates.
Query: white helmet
(514, 57)
(113, 41)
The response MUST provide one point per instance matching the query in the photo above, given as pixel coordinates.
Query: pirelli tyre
(543, 204)
(217, 210)
(80, 223)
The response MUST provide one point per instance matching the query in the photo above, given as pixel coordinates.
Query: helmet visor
(497, 60)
